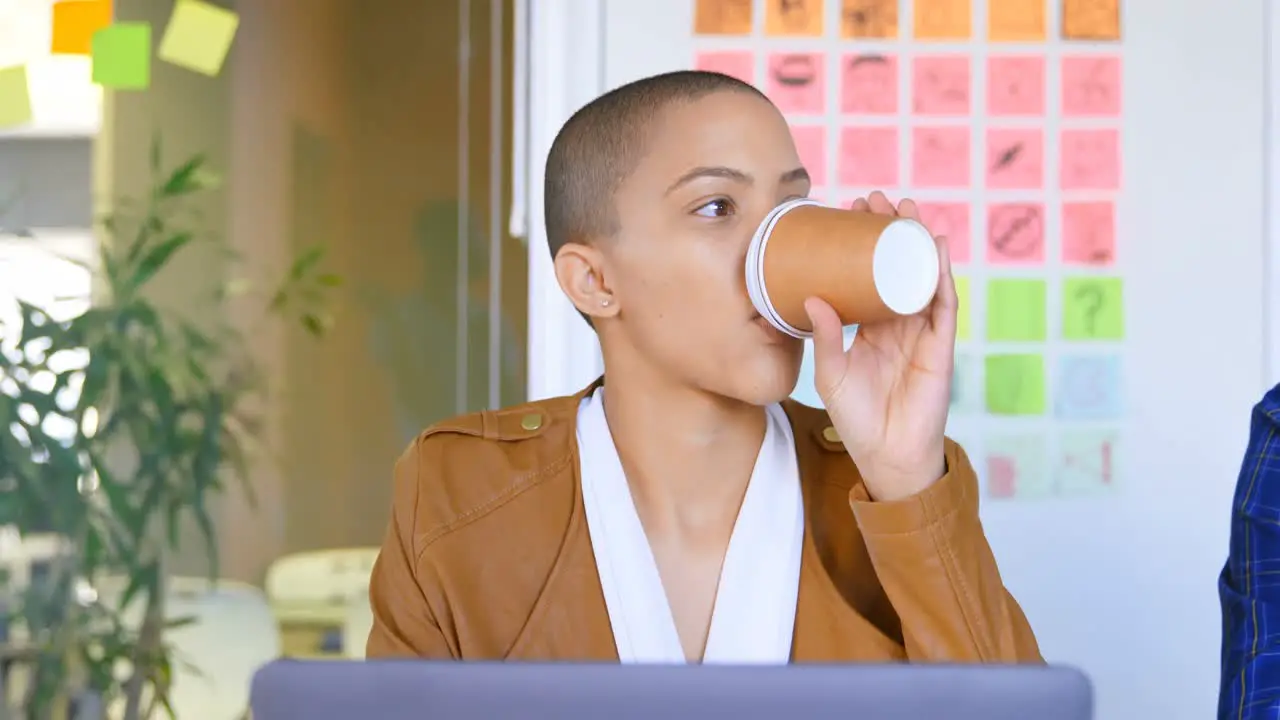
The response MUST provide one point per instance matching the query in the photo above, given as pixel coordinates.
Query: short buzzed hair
(601, 144)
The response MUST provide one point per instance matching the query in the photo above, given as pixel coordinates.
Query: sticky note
(940, 85)
(1087, 462)
(940, 157)
(122, 56)
(1016, 310)
(734, 63)
(793, 17)
(1015, 159)
(198, 37)
(1017, 467)
(1089, 233)
(949, 220)
(75, 22)
(811, 146)
(1088, 388)
(1091, 20)
(1091, 86)
(795, 83)
(964, 309)
(1092, 308)
(869, 19)
(1090, 159)
(966, 393)
(1016, 21)
(722, 17)
(942, 19)
(1015, 384)
(15, 97)
(868, 84)
(1015, 233)
(1015, 85)
(869, 157)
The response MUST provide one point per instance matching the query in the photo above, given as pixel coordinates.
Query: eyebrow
(729, 173)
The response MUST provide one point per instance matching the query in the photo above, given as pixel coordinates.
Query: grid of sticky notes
(1003, 120)
(197, 37)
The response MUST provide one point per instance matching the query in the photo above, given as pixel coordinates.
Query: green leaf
(306, 262)
(186, 179)
(157, 257)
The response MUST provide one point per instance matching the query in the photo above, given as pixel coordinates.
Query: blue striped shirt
(1249, 586)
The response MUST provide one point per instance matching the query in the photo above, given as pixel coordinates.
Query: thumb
(828, 344)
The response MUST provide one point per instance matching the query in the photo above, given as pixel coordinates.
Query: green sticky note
(1015, 384)
(1092, 308)
(122, 56)
(964, 328)
(199, 36)
(15, 97)
(1015, 310)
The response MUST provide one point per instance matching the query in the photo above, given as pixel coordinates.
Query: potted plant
(119, 425)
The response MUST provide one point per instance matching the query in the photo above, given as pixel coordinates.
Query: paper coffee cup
(868, 267)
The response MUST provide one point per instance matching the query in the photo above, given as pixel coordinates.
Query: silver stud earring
(605, 302)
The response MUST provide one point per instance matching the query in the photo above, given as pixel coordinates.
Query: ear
(580, 270)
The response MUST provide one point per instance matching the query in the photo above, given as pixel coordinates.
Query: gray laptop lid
(341, 690)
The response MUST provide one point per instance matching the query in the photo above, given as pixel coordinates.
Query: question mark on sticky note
(1090, 297)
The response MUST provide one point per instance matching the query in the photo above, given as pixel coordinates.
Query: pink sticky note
(811, 146)
(949, 220)
(940, 85)
(1015, 233)
(869, 157)
(1015, 159)
(734, 64)
(1090, 159)
(1015, 85)
(940, 157)
(869, 84)
(1089, 233)
(1091, 86)
(796, 84)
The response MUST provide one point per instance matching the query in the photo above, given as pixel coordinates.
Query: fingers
(860, 205)
(828, 344)
(942, 312)
(908, 209)
(878, 202)
(881, 204)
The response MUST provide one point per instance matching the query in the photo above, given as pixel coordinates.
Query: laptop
(382, 690)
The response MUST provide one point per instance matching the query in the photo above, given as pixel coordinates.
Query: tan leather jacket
(488, 557)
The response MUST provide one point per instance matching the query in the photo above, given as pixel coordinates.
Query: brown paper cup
(868, 267)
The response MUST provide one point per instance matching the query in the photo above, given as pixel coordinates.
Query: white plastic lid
(904, 267)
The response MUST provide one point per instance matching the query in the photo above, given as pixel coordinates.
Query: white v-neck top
(755, 606)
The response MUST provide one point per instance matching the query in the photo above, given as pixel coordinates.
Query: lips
(795, 70)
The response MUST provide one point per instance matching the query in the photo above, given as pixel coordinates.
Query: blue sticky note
(1089, 387)
(804, 393)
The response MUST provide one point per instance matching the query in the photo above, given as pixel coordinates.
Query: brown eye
(717, 208)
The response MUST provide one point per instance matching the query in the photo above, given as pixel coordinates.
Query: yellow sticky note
(1017, 21)
(15, 97)
(943, 19)
(199, 36)
(75, 22)
(963, 313)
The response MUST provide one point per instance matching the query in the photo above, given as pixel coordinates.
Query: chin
(765, 381)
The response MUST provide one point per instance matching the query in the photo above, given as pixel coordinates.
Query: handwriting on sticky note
(1091, 86)
(811, 146)
(793, 17)
(942, 19)
(734, 63)
(722, 17)
(15, 97)
(1091, 20)
(1088, 388)
(940, 157)
(964, 310)
(1016, 310)
(795, 83)
(122, 56)
(75, 22)
(869, 85)
(1015, 233)
(1089, 233)
(1015, 85)
(1017, 467)
(1090, 159)
(940, 85)
(198, 37)
(1015, 159)
(869, 19)
(966, 394)
(951, 221)
(1087, 461)
(1015, 384)
(1092, 308)
(1016, 21)
(869, 157)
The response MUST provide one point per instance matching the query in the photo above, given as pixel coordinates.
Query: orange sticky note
(75, 22)
(722, 17)
(943, 19)
(1016, 21)
(793, 17)
(1091, 19)
(869, 19)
